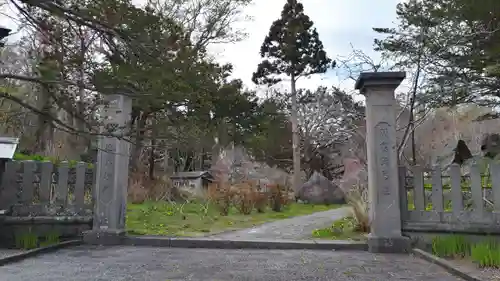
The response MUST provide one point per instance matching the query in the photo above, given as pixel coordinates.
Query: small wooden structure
(196, 181)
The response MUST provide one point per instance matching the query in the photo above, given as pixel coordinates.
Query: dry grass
(220, 194)
(261, 201)
(247, 196)
(137, 193)
(355, 186)
(357, 198)
(141, 188)
(360, 214)
(279, 196)
(244, 197)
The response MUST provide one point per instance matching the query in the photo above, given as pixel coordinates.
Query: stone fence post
(383, 181)
(110, 189)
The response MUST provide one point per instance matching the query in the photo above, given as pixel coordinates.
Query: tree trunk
(168, 166)
(199, 157)
(152, 157)
(219, 142)
(139, 138)
(44, 131)
(188, 165)
(295, 138)
(81, 140)
(215, 152)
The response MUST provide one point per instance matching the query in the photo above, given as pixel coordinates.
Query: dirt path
(292, 228)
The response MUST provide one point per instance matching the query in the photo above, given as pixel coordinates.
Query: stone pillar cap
(384, 79)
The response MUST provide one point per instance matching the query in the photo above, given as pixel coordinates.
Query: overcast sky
(340, 23)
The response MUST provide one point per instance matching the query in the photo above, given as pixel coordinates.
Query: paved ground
(7, 252)
(87, 263)
(292, 228)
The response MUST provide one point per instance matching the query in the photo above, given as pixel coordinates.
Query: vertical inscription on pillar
(106, 180)
(383, 146)
(108, 171)
(112, 166)
(106, 166)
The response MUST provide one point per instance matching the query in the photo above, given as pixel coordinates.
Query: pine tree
(292, 48)
(457, 44)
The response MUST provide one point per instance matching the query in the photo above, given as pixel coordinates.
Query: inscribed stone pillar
(383, 183)
(111, 173)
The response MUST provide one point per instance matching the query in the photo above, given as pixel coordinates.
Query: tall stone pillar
(383, 184)
(111, 179)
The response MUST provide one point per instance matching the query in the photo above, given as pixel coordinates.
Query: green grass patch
(343, 229)
(484, 253)
(452, 246)
(448, 204)
(29, 240)
(50, 238)
(198, 219)
(26, 241)
(465, 183)
(428, 207)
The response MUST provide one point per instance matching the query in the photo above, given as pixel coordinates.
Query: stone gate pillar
(383, 185)
(111, 179)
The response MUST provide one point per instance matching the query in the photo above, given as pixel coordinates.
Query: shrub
(142, 188)
(359, 206)
(220, 194)
(261, 201)
(162, 189)
(286, 197)
(355, 187)
(245, 195)
(137, 194)
(354, 183)
(246, 204)
(277, 197)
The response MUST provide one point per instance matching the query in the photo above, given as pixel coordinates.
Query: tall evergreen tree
(292, 48)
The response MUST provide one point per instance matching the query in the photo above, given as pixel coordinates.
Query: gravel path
(85, 263)
(292, 228)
